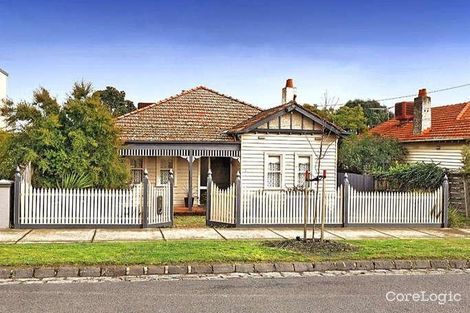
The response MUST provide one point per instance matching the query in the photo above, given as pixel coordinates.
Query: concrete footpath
(19, 236)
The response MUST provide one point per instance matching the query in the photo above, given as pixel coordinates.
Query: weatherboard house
(435, 134)
(201, 129)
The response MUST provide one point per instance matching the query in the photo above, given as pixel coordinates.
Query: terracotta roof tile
(196, 115)
(447, 123)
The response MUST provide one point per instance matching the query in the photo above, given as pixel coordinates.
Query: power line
(412, 95)
(431, 91)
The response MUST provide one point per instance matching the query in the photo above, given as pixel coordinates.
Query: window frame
(267, 155)
(133, 169)
(298, 156)
(160, 168)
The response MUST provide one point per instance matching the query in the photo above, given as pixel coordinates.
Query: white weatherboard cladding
(254, 147)
(449, 155)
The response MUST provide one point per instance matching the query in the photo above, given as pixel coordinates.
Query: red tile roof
(450, 122)
(196, 115)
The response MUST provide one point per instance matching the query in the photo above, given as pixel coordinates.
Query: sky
(246, 49)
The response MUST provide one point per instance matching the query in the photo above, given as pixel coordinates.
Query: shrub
(369, 154)
(456, 219)
(416, 176)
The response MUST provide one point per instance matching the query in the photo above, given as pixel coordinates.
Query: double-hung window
(166, 164)
(137, 170)
(273, 171)
(303, 163)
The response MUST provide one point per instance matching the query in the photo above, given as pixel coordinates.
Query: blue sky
(154, 49)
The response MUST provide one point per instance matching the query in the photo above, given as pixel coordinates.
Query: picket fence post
(208, 196)
(172, 185)
(145, 207)
(238, 202)
(17, 198)
(445, 202)
(345, 200)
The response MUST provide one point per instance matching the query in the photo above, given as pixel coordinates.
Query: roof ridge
(183, 93)
(159, 102)
(227, 96)
(449, 105)
(463, 111)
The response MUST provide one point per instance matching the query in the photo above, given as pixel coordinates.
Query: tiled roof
(448, 122)
(196, 115)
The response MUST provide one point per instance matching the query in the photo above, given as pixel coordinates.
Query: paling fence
(139, 205)
(343, 206)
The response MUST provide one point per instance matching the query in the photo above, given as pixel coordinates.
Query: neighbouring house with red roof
(430, 134)
(201, 129)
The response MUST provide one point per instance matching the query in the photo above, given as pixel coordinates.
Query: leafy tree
(115, 100)
(326, 113)
(466, 159)
(76, 138)
(373, 111)
(350, 119)
(368, 154)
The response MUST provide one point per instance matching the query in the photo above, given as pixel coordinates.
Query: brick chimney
(289, 92)
(142, 105)
(421, 112)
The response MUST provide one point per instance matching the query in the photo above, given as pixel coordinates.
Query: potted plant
(186, 199)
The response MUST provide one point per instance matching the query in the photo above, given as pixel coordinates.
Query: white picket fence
(386, 207)
(222, 204)
(67, 207)
(286, 207)
(260, 207)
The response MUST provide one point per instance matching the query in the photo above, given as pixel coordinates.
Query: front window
(303, 165)
(137, 170)
(274, 171)
(166, 164)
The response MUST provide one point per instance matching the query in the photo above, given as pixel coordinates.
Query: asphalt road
(306, 294)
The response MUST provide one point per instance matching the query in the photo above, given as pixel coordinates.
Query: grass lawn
(189, 221)
(172, 252)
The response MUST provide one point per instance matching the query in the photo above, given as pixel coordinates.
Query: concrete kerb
(224, 268)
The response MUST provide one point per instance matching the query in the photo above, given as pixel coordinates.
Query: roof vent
(404, 111)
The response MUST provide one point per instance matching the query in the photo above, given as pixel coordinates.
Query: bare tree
(320, 153)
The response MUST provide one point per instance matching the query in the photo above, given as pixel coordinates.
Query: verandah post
(17, 198)
(145, 207)
(238, 202)
(208, 200)
(445, 202)
(172, 184)
(345, 200)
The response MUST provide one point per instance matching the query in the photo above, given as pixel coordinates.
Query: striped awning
(183, 150)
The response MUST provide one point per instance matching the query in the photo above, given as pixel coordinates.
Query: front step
(183, 211)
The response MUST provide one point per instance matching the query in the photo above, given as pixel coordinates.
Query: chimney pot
(289, 93)
(422, 93)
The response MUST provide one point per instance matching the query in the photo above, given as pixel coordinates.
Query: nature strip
(224, 268)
